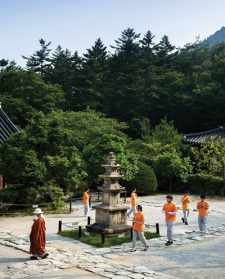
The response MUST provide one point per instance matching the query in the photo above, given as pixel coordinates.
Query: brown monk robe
(38, 236)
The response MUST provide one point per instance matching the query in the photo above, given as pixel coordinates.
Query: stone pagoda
(111, 215)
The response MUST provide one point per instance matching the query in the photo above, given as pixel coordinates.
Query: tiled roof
(202, 137)
(7, 128)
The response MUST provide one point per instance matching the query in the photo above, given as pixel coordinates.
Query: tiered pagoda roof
(202, 137)
(7, 128)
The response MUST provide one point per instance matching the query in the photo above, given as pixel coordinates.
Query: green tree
(166, 133)
(145, 180)
(39, 62)
(66, 71)
(128, 42)
(93, 73)
(147, 42)
(164, 47)
(25, 93)
(125, 92)
(139, 128)
(65, 149)
(210, 158)
(170, 166)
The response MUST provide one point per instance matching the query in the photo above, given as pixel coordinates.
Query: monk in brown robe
(38, 236)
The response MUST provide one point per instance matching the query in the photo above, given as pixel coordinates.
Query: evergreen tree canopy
(39, 61)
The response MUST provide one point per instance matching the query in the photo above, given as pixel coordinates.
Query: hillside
(217, 38)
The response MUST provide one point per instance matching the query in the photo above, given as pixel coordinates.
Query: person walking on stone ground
(138, 228)
(202, 207)
(133, 203)
(86, 201)
(170, 211)
(38, 236)
(186, 207)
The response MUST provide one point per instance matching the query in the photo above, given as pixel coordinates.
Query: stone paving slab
(67, 253)
(92, 260)
(95, 260)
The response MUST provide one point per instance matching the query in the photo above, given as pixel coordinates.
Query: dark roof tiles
(202, 137)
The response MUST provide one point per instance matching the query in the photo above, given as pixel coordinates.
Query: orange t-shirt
(86, 198)
(202, 207)
(133, 199)
(186, 202)
(139, 217)
(170, 207)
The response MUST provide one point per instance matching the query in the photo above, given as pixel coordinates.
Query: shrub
(205, 183)
(145, 180)
(51, 194)
(9, 195)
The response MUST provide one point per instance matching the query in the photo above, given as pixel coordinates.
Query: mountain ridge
(215, 39)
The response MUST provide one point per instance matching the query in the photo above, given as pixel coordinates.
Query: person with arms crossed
(202, 207)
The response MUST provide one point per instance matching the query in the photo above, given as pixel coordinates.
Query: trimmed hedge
(205, 183)
(145, 180)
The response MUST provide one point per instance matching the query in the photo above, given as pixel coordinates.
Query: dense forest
(136, 98)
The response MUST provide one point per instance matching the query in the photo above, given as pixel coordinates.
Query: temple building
(203, 137)
(7, 128)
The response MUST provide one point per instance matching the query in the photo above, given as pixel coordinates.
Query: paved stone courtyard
(193, 255)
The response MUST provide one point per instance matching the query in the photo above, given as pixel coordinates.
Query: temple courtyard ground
(192, 256)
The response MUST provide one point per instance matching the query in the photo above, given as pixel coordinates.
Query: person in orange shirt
(86, 200)
(138, 228)
(202, 207)
(170, 211)
(133, 203)
(186, 207)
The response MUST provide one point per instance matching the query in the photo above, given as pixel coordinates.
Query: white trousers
(186, 213)
(141, 236)
(169, 225)
(202, 223)
(131, 211)
(86, 209)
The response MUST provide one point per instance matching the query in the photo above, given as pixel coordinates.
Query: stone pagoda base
(110, 219)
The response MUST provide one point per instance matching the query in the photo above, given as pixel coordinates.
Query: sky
(76, 24)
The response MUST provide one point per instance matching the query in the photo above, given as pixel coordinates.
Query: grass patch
(94, 239)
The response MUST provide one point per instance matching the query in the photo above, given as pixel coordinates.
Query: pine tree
(97, 54)
(149, 72)
(147, 41)
(164, 47)
(126, 84)
(128, 42)
(65, 71)
(39, 61)
(93, 74)
(6, 65)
